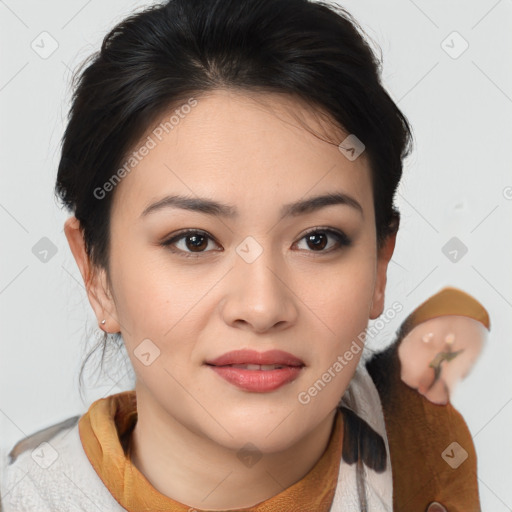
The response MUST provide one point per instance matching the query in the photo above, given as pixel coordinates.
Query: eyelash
(342, 239)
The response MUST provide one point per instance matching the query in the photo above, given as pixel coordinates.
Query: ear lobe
(384, 256)
(94, 279)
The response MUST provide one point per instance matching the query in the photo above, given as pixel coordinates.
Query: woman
(230, 168)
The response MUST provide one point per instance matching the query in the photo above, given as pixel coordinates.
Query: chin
(265, 436)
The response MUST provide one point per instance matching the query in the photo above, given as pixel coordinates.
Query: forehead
(243, 147)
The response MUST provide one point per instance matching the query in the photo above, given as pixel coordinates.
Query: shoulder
(49, 471)
(32, 441)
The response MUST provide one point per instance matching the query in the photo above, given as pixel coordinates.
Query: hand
(439, 352)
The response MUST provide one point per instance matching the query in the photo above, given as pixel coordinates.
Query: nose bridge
(257, 268)
(258, 291)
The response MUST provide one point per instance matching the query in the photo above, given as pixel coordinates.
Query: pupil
(317, 244)
(197, 243)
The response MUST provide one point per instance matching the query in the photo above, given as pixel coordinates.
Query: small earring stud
(103, 322)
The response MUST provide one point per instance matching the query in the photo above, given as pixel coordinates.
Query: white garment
(363, 398)
(70, 484)
(57, 476)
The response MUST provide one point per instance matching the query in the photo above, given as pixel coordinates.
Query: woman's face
(249, 276)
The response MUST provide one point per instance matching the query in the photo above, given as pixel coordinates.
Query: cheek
(145, 301)
(346, 308)
(164, 308)
(346, 297)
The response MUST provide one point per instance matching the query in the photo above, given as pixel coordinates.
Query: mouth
(264, 367)
(257, 372)
(250, 359)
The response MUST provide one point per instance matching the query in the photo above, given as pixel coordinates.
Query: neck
(196, 471)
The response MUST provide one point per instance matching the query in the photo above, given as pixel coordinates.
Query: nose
(260, 293)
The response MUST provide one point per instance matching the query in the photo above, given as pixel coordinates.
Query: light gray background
(458, 183)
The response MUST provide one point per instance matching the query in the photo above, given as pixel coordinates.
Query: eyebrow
(210, 207)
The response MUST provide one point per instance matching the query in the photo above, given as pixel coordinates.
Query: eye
(194, 241)
(197, 241)
(318, 239)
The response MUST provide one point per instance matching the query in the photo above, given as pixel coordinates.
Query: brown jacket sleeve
(432, 453)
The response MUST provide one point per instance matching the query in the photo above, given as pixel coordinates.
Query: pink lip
(258, 381)
(254, 357)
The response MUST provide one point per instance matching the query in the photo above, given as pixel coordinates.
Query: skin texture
(251, 152)
(439, 352)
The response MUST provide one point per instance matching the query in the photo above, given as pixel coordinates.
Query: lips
(253, 360)
(257, 372)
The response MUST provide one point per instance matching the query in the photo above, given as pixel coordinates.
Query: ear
(95, 279)
(383, 258)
